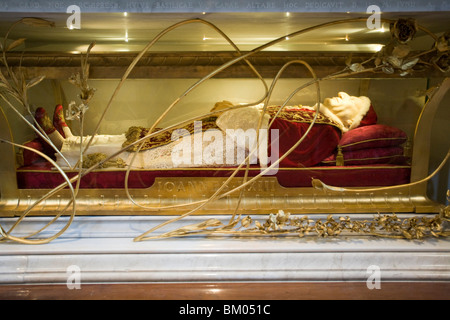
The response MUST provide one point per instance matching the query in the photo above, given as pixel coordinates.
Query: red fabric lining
(42, 177)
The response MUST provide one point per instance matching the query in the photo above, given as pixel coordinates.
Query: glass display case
(264, 145)
(224, 113)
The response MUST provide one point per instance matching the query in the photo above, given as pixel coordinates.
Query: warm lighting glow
(125, 14)
(381, 30)
(346, 37)
(71, 27)
(288, 14)
(287, 38)
(126, 36)
(376, 47)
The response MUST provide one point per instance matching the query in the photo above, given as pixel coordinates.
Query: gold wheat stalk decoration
(8, 236)
(19, 87)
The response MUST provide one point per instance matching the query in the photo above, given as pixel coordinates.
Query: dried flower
(404, 29)
(81, 80)
(74, 111)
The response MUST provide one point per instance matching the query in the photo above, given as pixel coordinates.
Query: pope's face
(343, 100)
(344, 106)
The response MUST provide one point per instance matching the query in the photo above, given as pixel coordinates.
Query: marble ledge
(104, 260)
(218, 245)
(115, 235)
(104, 250)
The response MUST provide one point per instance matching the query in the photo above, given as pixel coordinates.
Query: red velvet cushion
(372, 136)
(30, 157)
(320, 142)
(389, 155)
(370, 118)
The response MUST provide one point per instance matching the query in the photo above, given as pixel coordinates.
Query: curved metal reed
(7, 235)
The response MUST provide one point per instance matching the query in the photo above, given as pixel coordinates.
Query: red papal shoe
(58, 120)
(44, 121)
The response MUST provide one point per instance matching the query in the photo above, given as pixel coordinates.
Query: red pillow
(320, 142)
(389, 155)
(30, 157)
(369, 118)
(372, 136)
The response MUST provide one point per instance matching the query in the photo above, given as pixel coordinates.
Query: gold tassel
(339, 157)
(407, 149)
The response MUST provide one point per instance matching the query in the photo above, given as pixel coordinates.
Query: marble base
(103, 251)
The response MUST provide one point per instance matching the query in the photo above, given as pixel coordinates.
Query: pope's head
(349, 110)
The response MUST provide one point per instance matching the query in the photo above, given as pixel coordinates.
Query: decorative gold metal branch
(285, 224)
(389, 226)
